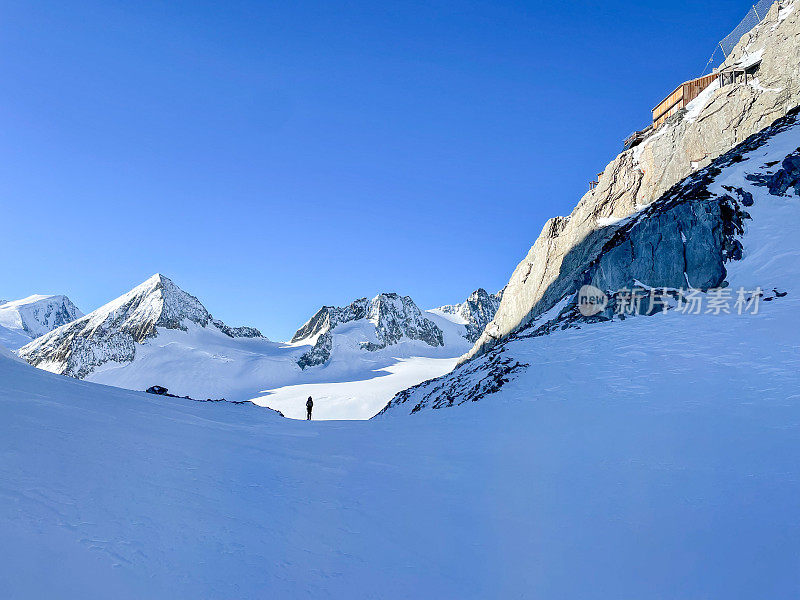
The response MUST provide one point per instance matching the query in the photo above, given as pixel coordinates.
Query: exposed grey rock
(328, 317)
(234, 332)
(641, 175)
(784, 179)
(319, 353)
(468, 383)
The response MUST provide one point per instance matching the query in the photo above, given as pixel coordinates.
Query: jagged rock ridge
(328, 317)
(112, 332)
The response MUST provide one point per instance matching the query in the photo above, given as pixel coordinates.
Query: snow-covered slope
(638, 490)
(730, 229)
(24, 320)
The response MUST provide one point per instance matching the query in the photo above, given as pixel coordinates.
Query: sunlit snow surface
(360, 398)
(650, 458)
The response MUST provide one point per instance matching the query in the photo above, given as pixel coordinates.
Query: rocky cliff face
(112, 332)
(692, 236)
(685, 144)
(392, 316)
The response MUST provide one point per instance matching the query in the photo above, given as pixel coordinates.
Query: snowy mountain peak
(475, 312)
(112, 332)
(28, 318)
(391, 318)
(157, 302)
(395, 317)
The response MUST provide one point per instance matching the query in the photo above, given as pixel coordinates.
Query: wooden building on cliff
(678, 99)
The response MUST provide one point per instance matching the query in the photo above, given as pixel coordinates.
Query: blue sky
(271, 157)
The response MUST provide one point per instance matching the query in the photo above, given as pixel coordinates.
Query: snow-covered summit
(388, 319)
(28, 318)
(475, 313)
(112, 332)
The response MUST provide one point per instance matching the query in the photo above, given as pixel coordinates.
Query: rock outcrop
(320, 352)
(687, 238)
(686, 143)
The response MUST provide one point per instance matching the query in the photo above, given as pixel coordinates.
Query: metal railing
(725, 46)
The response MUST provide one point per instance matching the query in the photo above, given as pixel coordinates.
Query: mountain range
(158, 334)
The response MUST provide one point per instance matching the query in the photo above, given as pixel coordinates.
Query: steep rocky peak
(156, 302)
(475, 312)
(394, 318)
(390, 304)
(112, 332)
(328, 317)
(686, 143)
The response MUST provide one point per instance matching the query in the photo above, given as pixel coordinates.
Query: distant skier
(309, 406)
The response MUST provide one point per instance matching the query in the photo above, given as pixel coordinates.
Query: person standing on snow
(309, 406)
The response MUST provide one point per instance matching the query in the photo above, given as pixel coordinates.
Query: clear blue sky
(271, 157)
